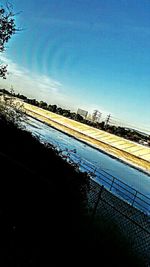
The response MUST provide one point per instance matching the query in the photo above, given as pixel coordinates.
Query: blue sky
(88, 54)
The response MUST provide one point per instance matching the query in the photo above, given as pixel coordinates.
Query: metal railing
(102, 177)
(110, 182)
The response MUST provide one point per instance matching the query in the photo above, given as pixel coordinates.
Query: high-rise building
(82, 112)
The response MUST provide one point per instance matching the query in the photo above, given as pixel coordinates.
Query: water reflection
(134, 178)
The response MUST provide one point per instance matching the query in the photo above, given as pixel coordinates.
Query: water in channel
(102, 162)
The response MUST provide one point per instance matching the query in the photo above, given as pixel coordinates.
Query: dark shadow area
(43, 216)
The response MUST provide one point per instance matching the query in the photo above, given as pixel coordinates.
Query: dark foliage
(7, 29)
(126, 133)
(43, 217)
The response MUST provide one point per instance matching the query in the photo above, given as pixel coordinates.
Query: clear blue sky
(92, 54)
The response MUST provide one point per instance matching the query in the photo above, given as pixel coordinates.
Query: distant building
(82, 112)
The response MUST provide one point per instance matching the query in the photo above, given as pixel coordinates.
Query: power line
(110, 119)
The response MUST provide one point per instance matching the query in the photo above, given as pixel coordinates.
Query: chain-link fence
(118, 203)
(133, 223)
(110, 182)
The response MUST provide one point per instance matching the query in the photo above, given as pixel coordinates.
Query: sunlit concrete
(131, 152)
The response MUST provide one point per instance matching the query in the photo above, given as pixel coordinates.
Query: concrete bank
(120, 148)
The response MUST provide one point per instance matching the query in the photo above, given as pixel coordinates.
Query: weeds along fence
(134, 224)
(117, 203)
(117, 187)
(113, 184)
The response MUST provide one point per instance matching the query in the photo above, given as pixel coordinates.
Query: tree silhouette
(7, 29)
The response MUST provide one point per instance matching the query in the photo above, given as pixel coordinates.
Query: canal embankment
(129, 152)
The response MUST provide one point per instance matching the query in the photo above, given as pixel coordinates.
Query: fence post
(98, 199)
(134, 198)
(95, 170)
(112, 183)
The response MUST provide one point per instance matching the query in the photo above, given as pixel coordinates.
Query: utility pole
(107, 121)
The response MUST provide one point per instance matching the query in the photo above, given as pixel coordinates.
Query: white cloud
(40, 87)
(43, 87)
(24, 81)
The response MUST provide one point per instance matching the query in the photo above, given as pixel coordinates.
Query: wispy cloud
(37, 86)
(25, 81)
(73, 24)
(96, 26)
(42, 87)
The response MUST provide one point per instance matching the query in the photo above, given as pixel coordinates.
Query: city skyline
(87, 54)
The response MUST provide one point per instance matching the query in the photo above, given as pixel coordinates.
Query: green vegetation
(7, 29)
(129, 134)
(44, 219)
(43, 209)
(11, 111)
